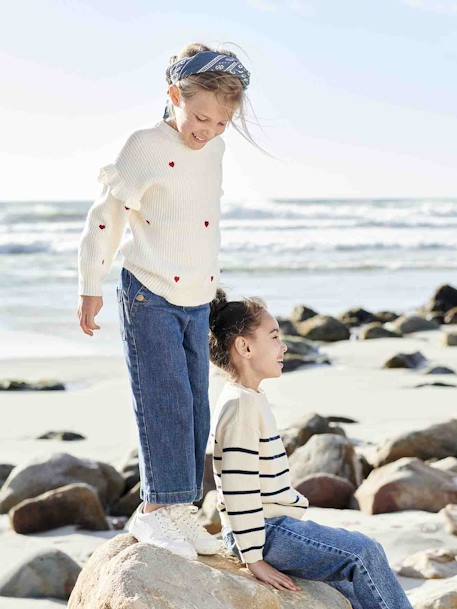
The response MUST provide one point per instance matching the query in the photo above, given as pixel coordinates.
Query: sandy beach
(97, 405)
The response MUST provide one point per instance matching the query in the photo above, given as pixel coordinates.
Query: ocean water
(328, 254)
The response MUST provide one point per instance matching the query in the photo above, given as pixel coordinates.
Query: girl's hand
(89, 307)
(269, 575)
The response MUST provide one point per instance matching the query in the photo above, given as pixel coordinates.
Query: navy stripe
(238, 471)
(248, 531)
(217, 458)
(240, 450)
(252, 548)
(240, 492)
(286, 488)
(222, 510)
(245, 512)
(269, 439)
(274, 456)
(284, 471)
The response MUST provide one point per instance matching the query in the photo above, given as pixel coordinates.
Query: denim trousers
(350, 562)
(167, 354)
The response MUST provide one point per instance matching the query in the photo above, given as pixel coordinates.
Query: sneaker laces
(186, 515)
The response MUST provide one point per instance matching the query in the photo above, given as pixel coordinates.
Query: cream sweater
(251, 469)
(169, 195)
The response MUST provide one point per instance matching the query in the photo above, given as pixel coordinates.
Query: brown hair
(225, 86)
(227, 321)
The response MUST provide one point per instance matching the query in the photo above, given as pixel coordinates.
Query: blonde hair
(225, 86)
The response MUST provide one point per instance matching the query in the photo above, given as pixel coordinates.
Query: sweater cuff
(90, 286)
(253, 556)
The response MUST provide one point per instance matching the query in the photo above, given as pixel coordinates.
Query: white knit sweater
(169, 194)
(251, 469)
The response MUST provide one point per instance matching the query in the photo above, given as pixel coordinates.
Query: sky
(353, 98)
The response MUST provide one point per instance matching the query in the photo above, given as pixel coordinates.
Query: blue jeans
(167, 354)
(349, 561)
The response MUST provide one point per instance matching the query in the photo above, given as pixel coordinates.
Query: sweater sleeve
(124, 184)
(240, 481)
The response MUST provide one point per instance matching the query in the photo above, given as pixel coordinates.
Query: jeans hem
(169, 497)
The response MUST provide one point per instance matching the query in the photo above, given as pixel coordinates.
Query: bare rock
(127, 504)
(435, 595)
(122, 573)
(450, 339)
(436, 563)
(43, 385)
(302, 313)
(386, 316)
(444, 299)
(451, 316)
(325, 453)
(440, 370)
(44, 574)
(66, 436)
(76, 504)
(357, 317)
(286, 327)
(435, 442)
(301, 431)
(377, 330)
(406, 360)
(5, 471)
(449, 513)
(324, 328)
(448, 464)
(407, 324)
(406, 484)
(44, 474)
(326, 490)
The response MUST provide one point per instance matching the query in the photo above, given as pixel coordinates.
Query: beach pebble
(303, 429)
(323, 328)
(406, 484)
(451, 316)
(434, 442)
(407, 324)
(436, 563)
(406, 360)
(326, 490)
(357, 316)
(127, 504)
(440, 370)
(66, 436)
(440, 594)
(450, 339)
(49, 472)
(444, 299)
(122, 573)
(377, 330)
(43, 574)
(73, 504)
(302, 313)
(325, 453)
(16, 385)
(449, 514)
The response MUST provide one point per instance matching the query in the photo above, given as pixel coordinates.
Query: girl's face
(200, 118)
(266, 349)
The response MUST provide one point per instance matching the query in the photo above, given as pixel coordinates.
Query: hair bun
(216, 305)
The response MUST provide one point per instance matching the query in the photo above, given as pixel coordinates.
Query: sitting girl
(265, 520)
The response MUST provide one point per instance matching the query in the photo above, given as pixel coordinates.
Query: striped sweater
(251, 469)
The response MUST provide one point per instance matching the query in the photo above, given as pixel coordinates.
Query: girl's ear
(242, 347)
(175, 95)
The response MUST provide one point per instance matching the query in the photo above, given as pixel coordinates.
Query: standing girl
(264, 518)
(166, 185)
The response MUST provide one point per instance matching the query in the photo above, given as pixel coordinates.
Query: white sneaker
(158, 529)
(184, 518)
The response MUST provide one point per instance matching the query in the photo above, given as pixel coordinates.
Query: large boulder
(444, 299)
(327, 491)
(44, 574)
(127, 504)
(406, 484)
(407, 324)
(440, 594)
(46, 473)
(435, 442)
(435, 563)
(324, 328)
(76, 504)
(301, 431)
(325, 453)
(124, 574)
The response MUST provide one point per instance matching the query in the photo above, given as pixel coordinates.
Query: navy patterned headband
(206, 61)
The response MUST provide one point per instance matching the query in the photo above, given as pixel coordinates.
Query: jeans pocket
(121, 310)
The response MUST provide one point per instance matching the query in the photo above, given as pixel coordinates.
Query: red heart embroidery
(127, 208)
(206, 223)
(102, 226)
(212, 277)
(171, 163)
(148, 222)
(176, 279)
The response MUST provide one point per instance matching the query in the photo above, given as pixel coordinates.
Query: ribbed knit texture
(169, 194)
(251, 469)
